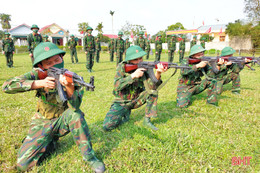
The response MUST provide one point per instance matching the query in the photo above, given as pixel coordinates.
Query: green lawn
(201, 138)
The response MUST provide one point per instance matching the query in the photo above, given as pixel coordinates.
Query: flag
(209, 30)
(81, 32)
(132, 35)
(156, 38)
(149, 37)
(220, 31)
(203, 22)
(145, 34)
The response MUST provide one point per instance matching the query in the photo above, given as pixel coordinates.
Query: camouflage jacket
(48, 104)
(111, 46)
(182, 45)
(202, 44)
(89, 43)
(8, 45)
(127, 89)
(98, 46)
(127, 45)
(172, 44)
(72, 43)
(192, 76)
(148, 46)
(192, 43)
(141, 42)
(158, 45)
(33, 41)
(120, 45)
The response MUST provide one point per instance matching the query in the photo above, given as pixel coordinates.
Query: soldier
(72, 43)
(158, 47)
(119, 48)
(147, 48)
(132, 90)
(171, 48)
(182, 48)
(33, 40)
(202, 42)
(45, 38)
(8, 49)
(53, 118)
(111, 49)
(98, 49)
(89, 43)
(194, 41)
(127, 44)
(190, 82)
(141, 41)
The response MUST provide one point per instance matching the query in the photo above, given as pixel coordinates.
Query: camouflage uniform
(45, 38)
(147, 49)
(190, 83)
(158, 49)
(119, 48)
(72, 43)
(127, 44)
(98, 49)
(89, 43)
(8, 48)
(171, 48)
(202, 43)
(111, 49)
(194, 42)
(33, 40)
(141, 42)
(130, 94)
(52, 120)
(181, 49)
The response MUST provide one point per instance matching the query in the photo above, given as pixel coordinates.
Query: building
(20, 33)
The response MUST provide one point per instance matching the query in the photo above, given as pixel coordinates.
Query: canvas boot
(97, 165)
(147, 123)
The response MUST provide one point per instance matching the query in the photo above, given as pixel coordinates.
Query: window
(222, 38)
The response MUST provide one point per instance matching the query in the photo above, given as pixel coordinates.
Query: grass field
(201, 138)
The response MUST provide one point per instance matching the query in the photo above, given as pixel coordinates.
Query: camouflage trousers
(147, 53)
(111, 56)
(43, 133)
(9, 59)
(73, 52)
(234, 77)
(181, 55)
(90, 60)
(170, 55)
(158, 55)
(120, 113)
(97, 56)
(185, 92)
(119, 56)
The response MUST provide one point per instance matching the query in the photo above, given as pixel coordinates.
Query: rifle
(211, 60)
(240, 60)
(71, 77)
(151, 65)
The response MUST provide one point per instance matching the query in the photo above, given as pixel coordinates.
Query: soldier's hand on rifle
(168, 51)
(13, 52)
(247, 60)
(201, 64)
(160, 69)
(86, 52)
(221, 61)
(156, 52)
(68, 85)
(138, 73)
(228, 63)
(30, 54)
(3, 52)
(47, 83)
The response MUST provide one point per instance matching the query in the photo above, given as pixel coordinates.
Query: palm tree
(112, 14)
(5, 19)
(83, 28)
(99, 28)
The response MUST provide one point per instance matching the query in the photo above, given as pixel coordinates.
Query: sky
(154, 15)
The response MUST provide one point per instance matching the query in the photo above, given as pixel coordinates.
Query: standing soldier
(141, 40)
(158, 47)
(119, 48)
(89, 43)
(171, 48)
(72, 43)
(147, 48)
(45, 38)
(33, 40)
(98, 49)
(111, 49)
(202, 42)
(127, 44)
(194, 41)
(8, 49)
(182, 48)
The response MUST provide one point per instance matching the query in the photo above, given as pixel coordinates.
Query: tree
(128, 28)
(1, 34)
(252, 8)
(5, 19)
(175, 27)
(99, 28)
(83, 28)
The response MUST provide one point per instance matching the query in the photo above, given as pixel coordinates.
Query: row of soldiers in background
(8, 49)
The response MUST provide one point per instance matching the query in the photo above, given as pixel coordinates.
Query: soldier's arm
(3, 45)
(29, 43)
(185, 62)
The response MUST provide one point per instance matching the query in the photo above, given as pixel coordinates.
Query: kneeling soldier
(133, 90)
(53, 118)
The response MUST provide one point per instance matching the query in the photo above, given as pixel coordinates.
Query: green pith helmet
(194, 36)
(196, 49)
(89, 28)
(203, 38)
(45, 50)
(159, 35)
(141, 33)
(183, 36)
(71, 35)
(127, 38)
(34, 26)
(7, 33)
(227, 51)
(120, 33)
(46, 36)
(134, 52)
(173, 35)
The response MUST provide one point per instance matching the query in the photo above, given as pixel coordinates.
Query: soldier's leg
(76, 56)
(88, 59)
(11, 59)
(219, 86)
(8, 59)
(159, 55)
(111, 56)
(92, 60)
(147, 54)
(121, 57)
(184, 94)
(169, 56)
(117, 57)
(179, 57)
(235, 77)
(71, 54)
(116, 116)
(173, 55)
(212, 92)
